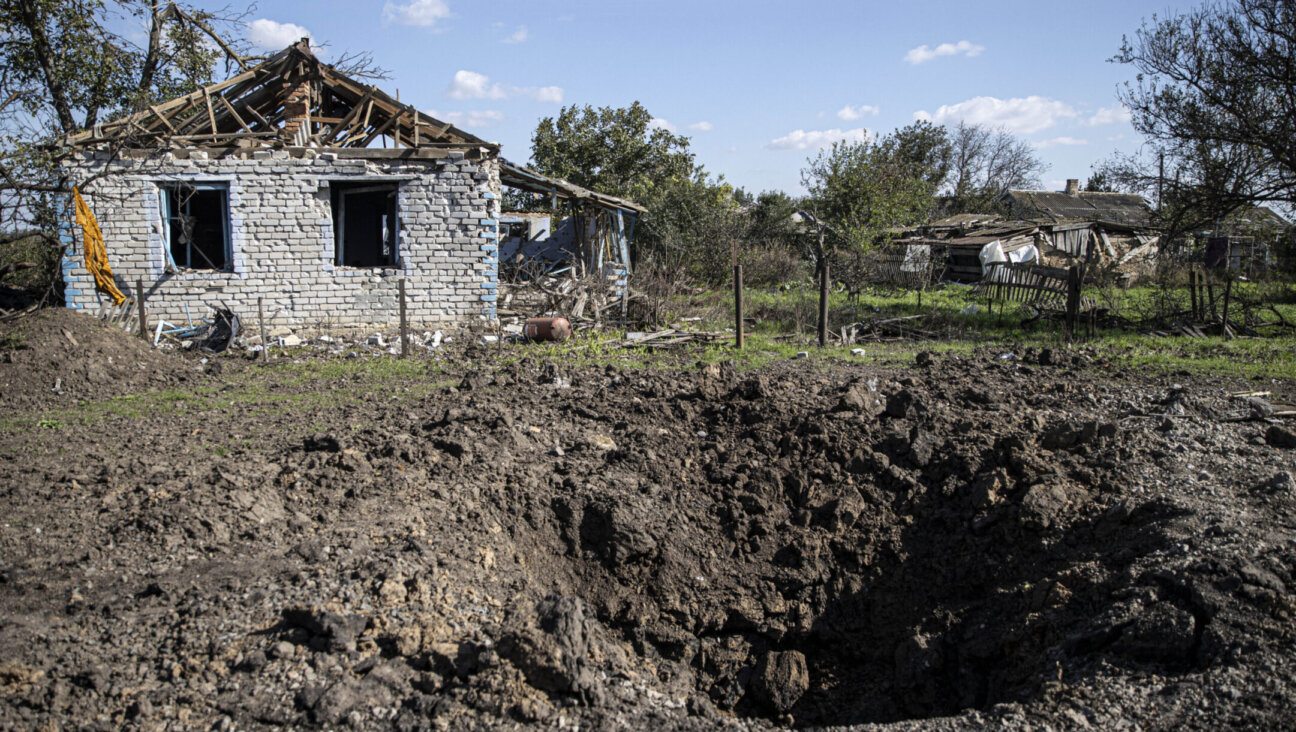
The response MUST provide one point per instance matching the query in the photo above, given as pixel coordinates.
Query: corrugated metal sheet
(1072, 241)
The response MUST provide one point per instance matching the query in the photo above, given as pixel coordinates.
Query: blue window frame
(195, 224)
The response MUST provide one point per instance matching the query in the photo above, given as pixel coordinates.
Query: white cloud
(923, 54)
(1109, 115)
(850, 113)
(545, 94)
(469, 120)
(518, 35)
(269, 35)
(420, 13)
(658, 122)
(1059, 142)
(815, 139)
(472, 85)
(1020, 115)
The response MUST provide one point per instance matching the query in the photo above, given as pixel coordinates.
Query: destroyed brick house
(1050, 227)
(295, 183)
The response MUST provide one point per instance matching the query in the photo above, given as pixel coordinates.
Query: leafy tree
(71, 71)
(694, 222)
(924, 149)
(861, 189)
(1100, 182)
(695, 225)
(613, 151)
(1215, 96)
(63, 69)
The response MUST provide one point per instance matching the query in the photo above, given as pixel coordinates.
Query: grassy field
(781, 324)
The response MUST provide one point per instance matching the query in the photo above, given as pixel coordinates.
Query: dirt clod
(780, 679)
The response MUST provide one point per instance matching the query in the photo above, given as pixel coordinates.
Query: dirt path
(970, 541)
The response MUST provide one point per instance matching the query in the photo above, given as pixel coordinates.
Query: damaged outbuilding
(1054, 228)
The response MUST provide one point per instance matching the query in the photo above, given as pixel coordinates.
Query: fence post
(265, 345)
(404, 334)
(738, 306)
(823, 304)
(1228, 293)
(139, 296)
(1074, 278)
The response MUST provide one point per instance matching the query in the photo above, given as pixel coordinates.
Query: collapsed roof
(290, 99)
(516, 176)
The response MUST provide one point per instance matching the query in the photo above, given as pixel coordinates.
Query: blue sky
(757, 86)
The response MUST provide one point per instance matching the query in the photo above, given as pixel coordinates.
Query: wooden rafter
(211, 113)
(162, 117)
(340, 112)
(234, 113)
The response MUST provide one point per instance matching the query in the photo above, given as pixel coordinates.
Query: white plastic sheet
(994, 252)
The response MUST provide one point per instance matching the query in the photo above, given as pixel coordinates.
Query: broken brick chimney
(1073, 187)
(296, 127)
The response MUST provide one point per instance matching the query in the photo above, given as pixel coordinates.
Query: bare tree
(1215, 98)
(986, 163)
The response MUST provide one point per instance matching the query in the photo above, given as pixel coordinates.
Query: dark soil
(58, 356)
(973, 542)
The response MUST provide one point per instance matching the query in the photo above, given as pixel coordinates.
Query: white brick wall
(282, 238)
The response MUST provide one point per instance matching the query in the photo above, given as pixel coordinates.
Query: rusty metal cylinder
(547, 329)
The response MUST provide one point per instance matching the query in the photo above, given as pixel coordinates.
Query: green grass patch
(366, 369)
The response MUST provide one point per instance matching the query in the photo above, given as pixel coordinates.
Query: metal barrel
(547, 329)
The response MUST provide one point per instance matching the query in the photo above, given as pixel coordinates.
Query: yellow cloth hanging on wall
(96, 255)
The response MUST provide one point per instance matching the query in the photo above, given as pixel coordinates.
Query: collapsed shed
(294, 183)
(1055, 228)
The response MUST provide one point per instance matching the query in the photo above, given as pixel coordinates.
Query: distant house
(1248, 240)
(1073, 204)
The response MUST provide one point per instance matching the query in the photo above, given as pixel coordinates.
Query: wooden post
(1228, 292)
(823, 303)
(139, 297)
(1210, 294)
(738, 306)
(404, 334)
(265, 345)
(1192, 292)
(1074, 275)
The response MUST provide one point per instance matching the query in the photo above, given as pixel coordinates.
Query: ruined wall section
(282, 238)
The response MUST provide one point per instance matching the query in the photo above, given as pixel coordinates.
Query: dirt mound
(973, 542)
(58, 356)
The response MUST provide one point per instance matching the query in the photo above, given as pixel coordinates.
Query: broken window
(518, 230)
(195, 219)
(364, 224)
